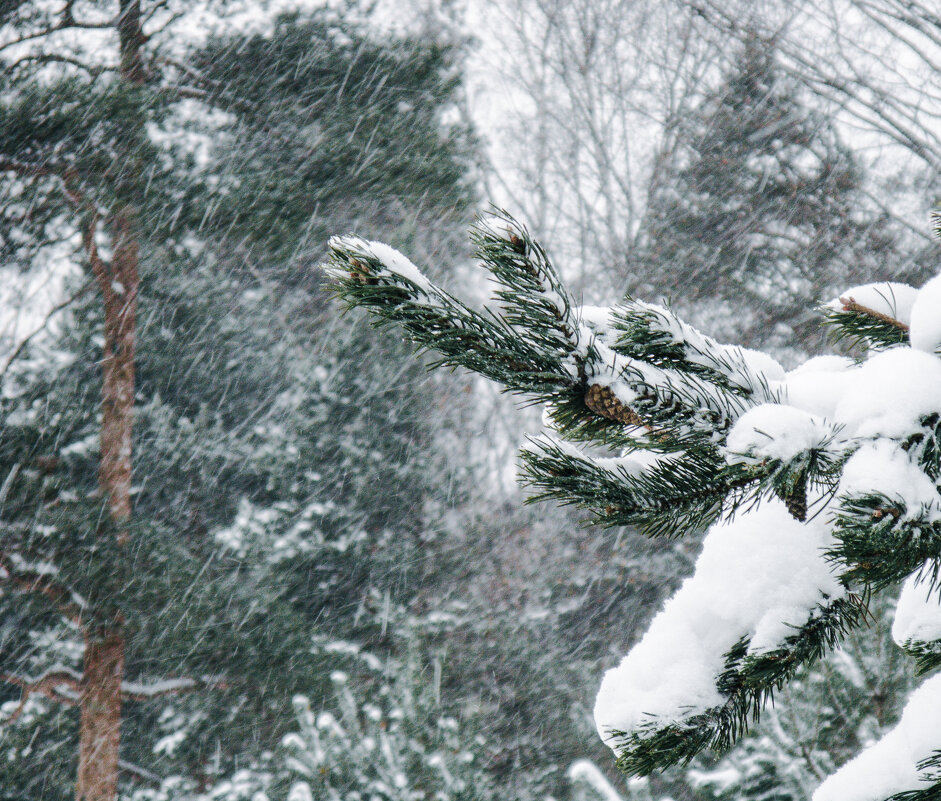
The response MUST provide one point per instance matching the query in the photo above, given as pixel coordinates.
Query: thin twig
(49, 684)
(57, 308)
(851, 305)
(68, 602)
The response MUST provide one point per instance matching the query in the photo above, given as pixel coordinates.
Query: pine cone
(602, 401)
(796, 502)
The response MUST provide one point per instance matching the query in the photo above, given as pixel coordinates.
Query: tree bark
(117, 403)
(100, 723)
(100, 731)
(100, 726)
(132, 38)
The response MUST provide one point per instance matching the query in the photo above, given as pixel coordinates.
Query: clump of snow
(818, 385)
(300, 791)
(887, 297)
(891, 765)
(398, 263)
(824, 364)
(759, 575)
(890, 392)
(762, 363)
(392, 261)
(925, 329)
(775, 431)
(583, 770)
(597, 318)
(882, 466)
(918, 614)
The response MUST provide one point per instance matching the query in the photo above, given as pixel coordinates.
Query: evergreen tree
(397, 745)
(189, 535)
(761, 216)
(521, 600)
(817, 486)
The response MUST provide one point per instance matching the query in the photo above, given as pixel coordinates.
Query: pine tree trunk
(117, 401)
(103, 669)
(100, 726)
(100, 731)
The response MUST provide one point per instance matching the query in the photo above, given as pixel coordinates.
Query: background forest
(296, 561)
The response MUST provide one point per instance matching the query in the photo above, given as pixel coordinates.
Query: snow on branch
(701, 670)
(59, 683)
(534, 300)
(655, 333)
(917, 625)
(374, 275)
(875, 315)
(41, 578)
(817, 486)
(904, 765)
(652, 369)
(539, 344)
(140, 691)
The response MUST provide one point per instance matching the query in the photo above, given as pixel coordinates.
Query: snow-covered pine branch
(817, 485)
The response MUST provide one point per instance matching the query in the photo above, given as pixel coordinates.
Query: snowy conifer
(155, 192)
(817, 486)
(395, 743)
(762, 208)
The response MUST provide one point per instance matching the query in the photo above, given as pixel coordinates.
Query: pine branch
(49, 684)
(683, 386)
(815, 469)
(535, 302)
(666, 498)
(435, 320)
(684, 394)
(865, 327)
(927, 655)
(850, 305)
(748, 684)
(656, 335)
(924, 446)
(880, 540)
(27, 578)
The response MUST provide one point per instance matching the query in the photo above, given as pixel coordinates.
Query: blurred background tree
(761, 216)
(275, 490)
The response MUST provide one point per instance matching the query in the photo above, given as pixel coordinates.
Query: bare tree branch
(138, 691)
(139, 773)
(49, 315)
(28, 578)
(59, 683)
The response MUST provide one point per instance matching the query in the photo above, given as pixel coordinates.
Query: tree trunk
(100, 727)
(131, 36)
(117, 401)
(100, 732)
(103, 669)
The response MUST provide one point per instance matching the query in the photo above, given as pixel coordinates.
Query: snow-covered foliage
(394, 744)
(818, 485)
(820, 720)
